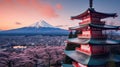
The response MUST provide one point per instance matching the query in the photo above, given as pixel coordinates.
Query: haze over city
(20, 13)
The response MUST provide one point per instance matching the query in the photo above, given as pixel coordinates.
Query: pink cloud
(59, 6)
(29, 7)
(42, 8)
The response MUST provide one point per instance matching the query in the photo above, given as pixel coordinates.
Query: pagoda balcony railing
(96, 22)
(98, 36)
(83, 36)
(97, 52)
(92, 36)
(94, 52)
(83, 51)
(75, 64)
(81, 65)
(84, 22)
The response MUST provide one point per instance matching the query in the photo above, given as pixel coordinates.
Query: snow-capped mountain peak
(45, 24)
(37, 25)
(41, 24)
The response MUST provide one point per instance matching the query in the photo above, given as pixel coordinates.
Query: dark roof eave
(93, 11)
(107, 14)
(105, 27)
(85, 59)
(80, 16)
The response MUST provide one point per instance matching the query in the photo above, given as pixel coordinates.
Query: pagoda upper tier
(104, 27)
(93, 13)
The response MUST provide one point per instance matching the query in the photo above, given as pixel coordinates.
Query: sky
(21, 13)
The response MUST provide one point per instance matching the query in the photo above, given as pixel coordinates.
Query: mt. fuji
(38, 28)
(41, 24)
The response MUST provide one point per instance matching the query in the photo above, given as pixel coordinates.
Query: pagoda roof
(92, 11)
(81, 26)
(79, 40)
(86, 59)
(93, 59)
(93, 41)
(104, 26)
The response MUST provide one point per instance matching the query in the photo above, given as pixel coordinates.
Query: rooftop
(95, 13)
(92, 60)
(81, 26)
(93, 41)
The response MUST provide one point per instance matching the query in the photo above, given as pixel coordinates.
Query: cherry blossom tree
(37, 56)
(5, 60)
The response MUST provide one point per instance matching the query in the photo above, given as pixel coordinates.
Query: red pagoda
(88, 46)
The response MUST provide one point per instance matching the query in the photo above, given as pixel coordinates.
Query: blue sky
(56, 12)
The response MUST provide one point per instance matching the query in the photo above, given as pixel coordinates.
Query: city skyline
(20, 13)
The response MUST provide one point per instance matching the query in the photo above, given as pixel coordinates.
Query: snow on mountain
(41, 24)
(39, 28)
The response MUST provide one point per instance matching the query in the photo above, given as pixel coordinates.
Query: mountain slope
(36, 29)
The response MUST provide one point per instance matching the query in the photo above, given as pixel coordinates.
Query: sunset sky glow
(20, 13)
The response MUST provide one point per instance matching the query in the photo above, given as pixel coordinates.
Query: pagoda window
(85, 47)
(85, 34)
(86, 19)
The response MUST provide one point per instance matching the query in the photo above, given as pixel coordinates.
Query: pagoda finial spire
(90, 3)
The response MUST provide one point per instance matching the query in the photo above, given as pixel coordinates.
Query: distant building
(88, 46)
(19, 47)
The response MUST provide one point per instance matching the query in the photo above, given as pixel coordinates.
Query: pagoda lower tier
(83, 60)
(92, 46)
(90, 52)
